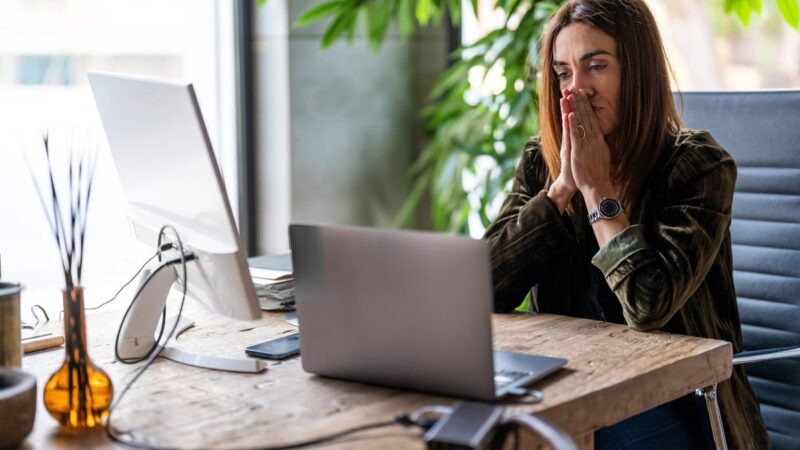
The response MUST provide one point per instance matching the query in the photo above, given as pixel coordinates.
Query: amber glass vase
(79, 394)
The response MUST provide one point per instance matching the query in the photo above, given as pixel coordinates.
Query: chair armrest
(768, 354)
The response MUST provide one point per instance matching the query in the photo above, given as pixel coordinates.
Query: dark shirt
(670, 270)
(608, 307)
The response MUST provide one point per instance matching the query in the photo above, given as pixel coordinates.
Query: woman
(618, 214)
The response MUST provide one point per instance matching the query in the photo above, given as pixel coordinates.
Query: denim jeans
(675, 425)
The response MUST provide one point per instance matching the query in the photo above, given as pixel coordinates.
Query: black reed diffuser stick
(75, 380)
(70, 236)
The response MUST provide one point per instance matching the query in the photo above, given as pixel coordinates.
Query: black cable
(152, 348)
(334, 436)
(36, 316)
(114, 297)
(152, 355)
(299, 444)
(92, 308)
(161, 248)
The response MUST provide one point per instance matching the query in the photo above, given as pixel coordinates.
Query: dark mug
(10, 331)
(18, 403)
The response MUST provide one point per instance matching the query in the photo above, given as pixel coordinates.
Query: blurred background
(405, 113)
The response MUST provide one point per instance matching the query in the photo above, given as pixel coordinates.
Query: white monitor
(169, 175)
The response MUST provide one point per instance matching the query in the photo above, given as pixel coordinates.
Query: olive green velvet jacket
(670, 270)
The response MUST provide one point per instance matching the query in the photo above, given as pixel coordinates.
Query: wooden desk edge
(703, 369)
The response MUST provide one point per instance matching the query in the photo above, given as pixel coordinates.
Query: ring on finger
(581, 132)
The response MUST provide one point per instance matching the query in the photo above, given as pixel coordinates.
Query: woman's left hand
(591, 157)
(591, 165)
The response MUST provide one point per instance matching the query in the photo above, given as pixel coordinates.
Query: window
(710, 50)
(46, 49)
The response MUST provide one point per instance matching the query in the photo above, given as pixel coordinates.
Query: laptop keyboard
(503, 378)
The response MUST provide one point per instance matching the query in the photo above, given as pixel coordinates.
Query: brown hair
(647, 115)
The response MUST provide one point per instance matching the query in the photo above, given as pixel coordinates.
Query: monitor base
(137, 335)
(173, 352)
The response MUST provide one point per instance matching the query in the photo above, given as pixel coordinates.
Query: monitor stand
(137, 335)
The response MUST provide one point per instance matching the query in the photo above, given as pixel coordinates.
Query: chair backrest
(761, 130)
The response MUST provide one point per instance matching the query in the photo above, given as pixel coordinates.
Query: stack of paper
(272, 277)
(275, 295)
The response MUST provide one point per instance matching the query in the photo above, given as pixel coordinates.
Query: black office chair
(761, 130)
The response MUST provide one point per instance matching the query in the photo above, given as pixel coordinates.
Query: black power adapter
(470, 426)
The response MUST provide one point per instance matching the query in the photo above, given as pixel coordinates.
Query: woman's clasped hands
(585, 155)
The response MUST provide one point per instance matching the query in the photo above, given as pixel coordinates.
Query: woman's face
(585, 58)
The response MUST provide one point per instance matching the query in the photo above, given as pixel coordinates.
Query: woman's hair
(646, 111)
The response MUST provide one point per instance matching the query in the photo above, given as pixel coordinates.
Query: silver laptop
(403, 309)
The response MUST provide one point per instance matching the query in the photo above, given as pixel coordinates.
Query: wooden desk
(613, 373)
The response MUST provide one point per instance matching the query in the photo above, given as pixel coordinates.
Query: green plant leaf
(728, 5)
(406, 218)
(454, 10)
(511, 8)
(338, 27)
(790, 12)
(406, 17)
(378, 16)
(319, 12)
(424, 12)
(743, 12)
(371, 21)
(350, 26)
(452, 76)
(526, 304)
(543, 10)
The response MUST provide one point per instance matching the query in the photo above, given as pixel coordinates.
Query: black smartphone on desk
(280, 348)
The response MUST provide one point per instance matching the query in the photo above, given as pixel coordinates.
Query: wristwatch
(607, 209)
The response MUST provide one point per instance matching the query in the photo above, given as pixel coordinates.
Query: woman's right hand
(563, 188)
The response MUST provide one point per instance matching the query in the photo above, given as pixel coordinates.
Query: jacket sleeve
(655, 267)
(527, 233)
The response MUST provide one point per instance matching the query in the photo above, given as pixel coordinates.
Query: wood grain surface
(613, 373)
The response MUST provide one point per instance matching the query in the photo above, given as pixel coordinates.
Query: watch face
(610, 208)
